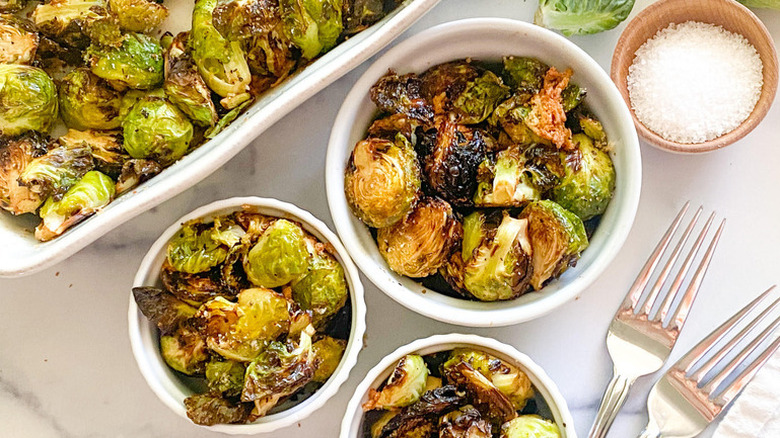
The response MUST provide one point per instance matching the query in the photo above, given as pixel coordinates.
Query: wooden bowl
(729, 14)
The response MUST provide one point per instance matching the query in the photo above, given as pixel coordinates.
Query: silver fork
(684, 401)
(638, 342)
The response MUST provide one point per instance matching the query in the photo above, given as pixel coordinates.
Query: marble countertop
(66, 369)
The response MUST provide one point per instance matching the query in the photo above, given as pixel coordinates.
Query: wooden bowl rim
(768, 58)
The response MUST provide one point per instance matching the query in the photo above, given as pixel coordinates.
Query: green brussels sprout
(69, 21)
(28, 100)
(530, 426)
(323, 289)
(312, 25)
(510, 380)
(184, 86)
(222, 63)
(575, 17)
(357, 15)
(162, 309)
(185, 350)
(55, 172)
(466, 422)
(18, 40)
(198, 247)
(572, 96)
(329, 352)
(510, 115)
(89, 195)
(156, 129)
(401, 94)
(243, 19)
(225, 377)
(419, 244)
(138, 15)
(279, 256)
(382, 180)
(15, 155)
(12, 5)
(136, 63)
(241, 330)
(488, 399)
(593, 129)
(557, 239)
(210, 409)
(107, 151)
(480, 97)
(87, 102)
(404, 387)
(525, 73)
(589, 183)
(135, 172)
(504, 181)
(453, 163)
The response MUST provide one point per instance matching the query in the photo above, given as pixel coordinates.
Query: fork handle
(611, 402)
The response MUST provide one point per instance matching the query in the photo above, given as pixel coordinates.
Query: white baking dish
(21, 254)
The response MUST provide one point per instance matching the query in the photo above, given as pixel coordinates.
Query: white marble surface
(66, 369)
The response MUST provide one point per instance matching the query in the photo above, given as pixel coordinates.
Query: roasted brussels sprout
(589, 182)
(184, 86)
(359, 14)
(198, 247)
(15, 155)
(90, 194)
(571, 96)
(138, 15)
(404, 386)
(530, 426)
(388, 127)
(156, 129)
(107, 151)
(379, 424)
(312, 25)
(279, 256)
(593, 129)
(221, 63)
(480, 97)
(524, 73)
(18, 40)
(69, 21)
(452, 166)
(557, 238)
(210, 409)
(12, 5)
(135, 172)
(136, 63)
(419, 419)
(483, 393)
(418, 245)
(87, 102)
(382, 180)
(194, 289)
(162, 308)
(323, 289)
(225, 377)
(328, 352)
(184, 350)
(243, 19)
(466, 422)
(28, 100)
(504, 181)
(442, 84)
(401, 94)
(271, 55)
(547, 116)
(511, 116)
(55, 172)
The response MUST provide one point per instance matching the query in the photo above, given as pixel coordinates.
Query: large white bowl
(351, 426)
(144, 337)
(21, 254)
(488, 39)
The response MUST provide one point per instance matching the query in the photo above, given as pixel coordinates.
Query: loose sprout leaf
(430, 405)
(210, 409)
(359, 14)
(162, 308)
(580, 17)
(184, 85)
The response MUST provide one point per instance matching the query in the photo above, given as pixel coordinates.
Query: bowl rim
(542, 382)
(760, 110)
(138, 325)
(489, 314)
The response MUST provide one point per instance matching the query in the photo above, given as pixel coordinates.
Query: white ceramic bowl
(488, 39)
(21, 254)
(144, 337)
(351, 426)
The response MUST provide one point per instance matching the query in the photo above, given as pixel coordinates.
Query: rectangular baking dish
(21, 254)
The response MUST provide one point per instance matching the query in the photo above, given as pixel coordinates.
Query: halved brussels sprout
(86, 101)
(210, 409)
(466, 422)
(279, 256)
(359, 14)
(418, 245)
(58, 170)
(15, 155)
(222, 63)
(243, 19)
(557, 239)
(135, 172)
(328, 352)
(404, 387)
(504, 181)
(382, 180)
(312, 25)
(323, 289)
(28, 100)
(88, 196)
(107, 150)
(156, 129)
(69, 21)
(136, 63)
(12, 5)
(388, 127)
(589, 183)
(401, 94)
(184, 86)
(480, 97)
(510, 380)
(530, 426)
(18, 40)
(511, 116)
(418, 419)
(443, 83)
(525, 73)
(198, 247)
(162, 308)
(185, 350)
(138, 15)
(452, 165)
(225, 377)
(482, 392)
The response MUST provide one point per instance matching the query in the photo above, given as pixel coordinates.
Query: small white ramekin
(144, 337)
(488, 39)
(351, 425)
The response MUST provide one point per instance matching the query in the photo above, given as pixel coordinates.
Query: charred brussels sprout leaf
(404, 387)
(323, 289)
(505, 182)
(480, 98)
(483, 393)
(359, 14)
(418, 245)
(184, 86)
(242, 19)
(573, 17)
(87, 102)
(589, 183)
(401, 94)
(466, 422)
(156, 129)
(15, 155)
(162, 308)
(530, 426)
(328, 352)
(107, 151)
(225, 377)
(18, 40)
(418, 420)
(138, 15)
(382, 180)
(557, 239)
(90, 194)
(198, 248)
(452, 165)
(194, 289)
(137, 63)
(210, 409)
(312, 25)
(55, 172)
(28, 100)
(525, 73)
(279, 256)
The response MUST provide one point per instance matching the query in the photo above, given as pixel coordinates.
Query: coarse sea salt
(693, 82)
